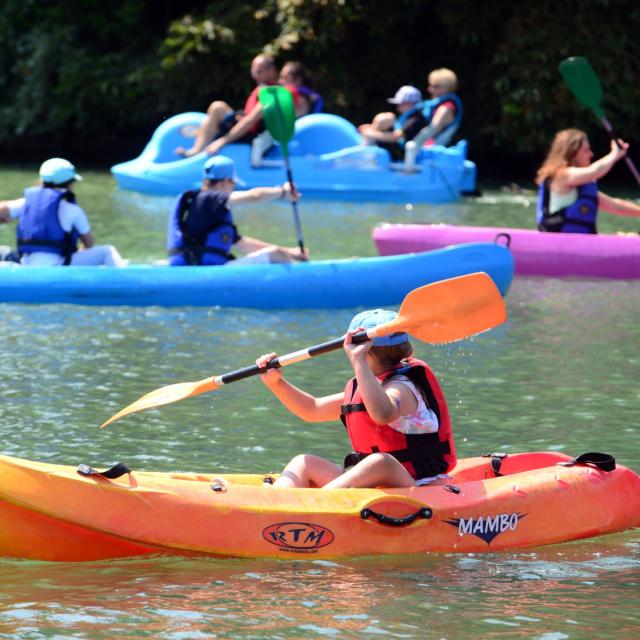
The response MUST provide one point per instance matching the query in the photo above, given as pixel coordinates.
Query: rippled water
(562, 374)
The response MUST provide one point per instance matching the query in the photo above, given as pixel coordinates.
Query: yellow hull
(51, 512)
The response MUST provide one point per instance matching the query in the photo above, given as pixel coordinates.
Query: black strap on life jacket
(114, 472)
(603, 461)
(553, 222)
(550, 222)
(193, 246)
(427, 448)
(427, 445)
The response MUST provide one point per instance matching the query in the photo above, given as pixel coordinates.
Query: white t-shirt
(559, 201)
(70, 216)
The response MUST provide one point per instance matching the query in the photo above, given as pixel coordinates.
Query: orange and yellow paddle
(437, 313)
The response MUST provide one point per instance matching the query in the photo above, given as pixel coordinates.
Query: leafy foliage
(97, 77)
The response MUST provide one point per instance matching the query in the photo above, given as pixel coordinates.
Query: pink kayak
(535, 253)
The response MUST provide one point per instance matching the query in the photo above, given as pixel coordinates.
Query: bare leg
(377, 469)
(285, 254)
(381, 122)
(384, 121)
(307, 471)
(100, 254)
(208, 128)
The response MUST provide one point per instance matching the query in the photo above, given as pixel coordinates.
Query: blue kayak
(327, 158)
(319, 284)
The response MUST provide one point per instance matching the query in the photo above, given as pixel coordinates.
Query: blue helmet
(221, 168)
(374, 317)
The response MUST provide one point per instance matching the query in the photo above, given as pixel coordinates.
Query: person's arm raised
(573, 177)
(384, 403)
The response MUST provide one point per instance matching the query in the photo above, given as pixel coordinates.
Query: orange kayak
(52, 512)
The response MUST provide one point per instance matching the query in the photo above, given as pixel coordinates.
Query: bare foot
(185, 153)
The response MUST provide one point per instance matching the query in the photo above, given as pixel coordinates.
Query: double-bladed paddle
(437, 313)
(586, 87)
(279, 115)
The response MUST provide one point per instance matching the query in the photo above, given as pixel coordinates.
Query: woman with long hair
(568, 197)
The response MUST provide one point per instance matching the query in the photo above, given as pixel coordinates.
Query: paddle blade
(449, 310)
(583, 82)
(279, 113)
(165, 395)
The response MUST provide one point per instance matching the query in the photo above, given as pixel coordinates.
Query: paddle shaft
(632, 167)
(584, 83)
(279, 118)
(294, 205)
(289, 358)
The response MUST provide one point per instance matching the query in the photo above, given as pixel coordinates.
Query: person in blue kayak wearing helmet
(393, 408)
(50, 223)
(201, 228)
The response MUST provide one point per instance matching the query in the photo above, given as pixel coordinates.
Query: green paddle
(585, 85)
(279, 114)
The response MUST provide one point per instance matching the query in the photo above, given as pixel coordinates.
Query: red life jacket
(423, 455)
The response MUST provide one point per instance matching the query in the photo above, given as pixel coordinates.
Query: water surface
(561, 375)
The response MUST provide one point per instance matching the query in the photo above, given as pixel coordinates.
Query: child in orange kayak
(393, 408)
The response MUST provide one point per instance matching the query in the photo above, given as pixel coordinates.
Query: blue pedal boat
(327, 158)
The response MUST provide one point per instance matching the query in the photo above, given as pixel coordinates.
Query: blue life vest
(403, 117)
(39, 228)
(201, 229)
(316, 102)
(429, 108)
(579, 217)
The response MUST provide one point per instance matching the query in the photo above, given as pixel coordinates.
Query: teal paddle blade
(279, 114)
(583, 82)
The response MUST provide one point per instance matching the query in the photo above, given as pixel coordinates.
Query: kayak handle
(503, 236)
(423, 512)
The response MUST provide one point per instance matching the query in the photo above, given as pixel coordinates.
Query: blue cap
(58, 171)
(221, 168)
(374, 317)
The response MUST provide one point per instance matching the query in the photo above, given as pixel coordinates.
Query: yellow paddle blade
(165, 395)
(449, 310)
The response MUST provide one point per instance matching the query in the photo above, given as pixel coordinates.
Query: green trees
(95, 78)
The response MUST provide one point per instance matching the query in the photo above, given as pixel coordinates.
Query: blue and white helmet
(372, 318)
